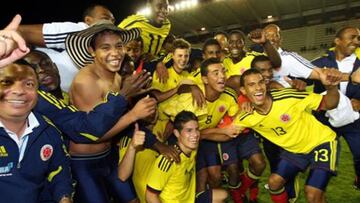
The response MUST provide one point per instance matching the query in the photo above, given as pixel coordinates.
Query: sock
(279, 196)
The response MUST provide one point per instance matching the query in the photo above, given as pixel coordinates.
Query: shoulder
(163, 164)
(230, 93)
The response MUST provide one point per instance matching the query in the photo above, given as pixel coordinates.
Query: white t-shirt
(55, 33)
(346, 66)
(293, 65)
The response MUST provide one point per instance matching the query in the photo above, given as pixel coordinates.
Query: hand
(12, 45)
(65, 200)
(247, 107)
(355, 104)
(257, 36)
(138, 138)
(296, 83)
(170, 152)
(162, 72)
(143, 108)
(198, 96)
(135, 83)
(355, 76)
(330, 76)
(232, 131)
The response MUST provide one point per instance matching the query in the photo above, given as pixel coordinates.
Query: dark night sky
(41, 11)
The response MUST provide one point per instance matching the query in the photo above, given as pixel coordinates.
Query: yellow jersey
(174, 181)
(288, 123)
(173, 81)
(153, 37)
(144, 160)
(241, 66)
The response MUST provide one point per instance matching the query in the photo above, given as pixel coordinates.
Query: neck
(57, 93)
(186, 151)
(103, 73)
(339, 55)
(265, 108)
(238, 58)
(211, 94)
(177, 70)
(17, 125)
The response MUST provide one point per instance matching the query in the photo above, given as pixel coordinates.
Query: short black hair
(181, 43)
(241, 33)
(96, 35)
(247, 73)
(182, 118)
(206, 63)
(25, 63)
(341, 31)
(88, 10)
(259, 58)
(209, 42)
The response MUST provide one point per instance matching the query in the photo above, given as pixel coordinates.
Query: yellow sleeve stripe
(54, 173)
(89, 136)
(124, 142)
(164, 164)
(287, 90)
(333, 148)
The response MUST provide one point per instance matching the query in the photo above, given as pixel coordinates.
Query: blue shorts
(97, 179)
(208, 155)
(242, 147)
(204, 197)
(322, 157)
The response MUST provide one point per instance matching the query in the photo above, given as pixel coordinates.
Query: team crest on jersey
(225, 156)
(46, 152)
(222, 109)
(285, 118)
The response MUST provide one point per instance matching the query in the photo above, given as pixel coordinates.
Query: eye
(30, 84)
(6, 82)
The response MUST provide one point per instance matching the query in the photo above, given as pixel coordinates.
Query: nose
(17, 88)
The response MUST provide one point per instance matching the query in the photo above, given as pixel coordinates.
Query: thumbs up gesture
(138, 138)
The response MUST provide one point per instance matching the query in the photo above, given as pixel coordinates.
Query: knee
(313, 195)
(219, 195)
(214, 176)
(275, 182)
(257, 164)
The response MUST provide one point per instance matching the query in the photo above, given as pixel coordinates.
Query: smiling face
(254, 88)
(160, 10)
(188, 137)
(212, 51)
(108, 51)
(46, 70)
(236, 45)
(348, 41)
(18, 86)
(181, 59)
(134, 49)
(266, 70)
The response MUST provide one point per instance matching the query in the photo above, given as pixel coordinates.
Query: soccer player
(155, 28)
(32, 151)
(88, 89)
(343, 57)
(178, 75)
(283, 119)
(172, 182)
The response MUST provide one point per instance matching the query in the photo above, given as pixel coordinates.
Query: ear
(176, 133)
(337, 41)
(92, 51)
(88, 20)
(205, 80)
(242, 90)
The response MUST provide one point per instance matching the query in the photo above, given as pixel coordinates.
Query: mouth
(17, 103)
(221, 84)
(259, 96)
(47, 80)
(114, 62)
